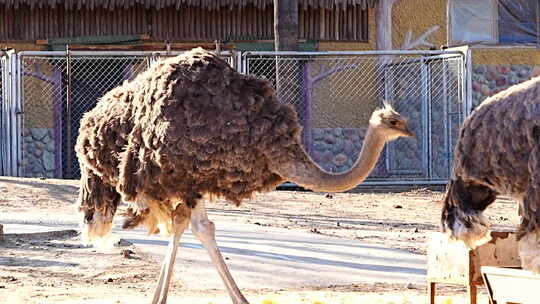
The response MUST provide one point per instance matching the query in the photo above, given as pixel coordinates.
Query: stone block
(348, 147)
(340, 159)
(501, 81)
(320, 146)
(535, 72)
(337, 147)
(48, 161)
(38, 168)
(38, 153)
(318, 134)
(50, 146)
(38, 134)
(480, 69)
(327, 157)
(503, 69)
(39, 145)
(350, 132)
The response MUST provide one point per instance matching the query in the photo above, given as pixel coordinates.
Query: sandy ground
(56, 268)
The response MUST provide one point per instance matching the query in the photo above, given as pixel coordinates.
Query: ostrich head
(389, 124)
(462, 215)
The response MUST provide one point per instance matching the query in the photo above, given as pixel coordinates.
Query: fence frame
(466, 90)
(65, 59)
(11, 113)
(13, 95)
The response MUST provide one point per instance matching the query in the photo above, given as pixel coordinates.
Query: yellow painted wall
(21, 46)
(513, 56)
(415, 15)
(418, 16)
(38, 97)
(367, 91)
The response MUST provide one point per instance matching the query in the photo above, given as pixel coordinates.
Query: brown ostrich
(189, 129)
(498, 153)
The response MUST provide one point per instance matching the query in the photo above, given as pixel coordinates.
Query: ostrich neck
(306, 173)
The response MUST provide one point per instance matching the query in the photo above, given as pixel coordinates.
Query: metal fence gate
(54, 90)
(57, 89)
(335, 93)
(10, 116)
(44, 95)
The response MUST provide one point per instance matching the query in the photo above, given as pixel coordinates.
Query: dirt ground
(56, 268)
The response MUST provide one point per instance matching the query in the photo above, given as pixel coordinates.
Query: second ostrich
(191, 128)
(498, 153)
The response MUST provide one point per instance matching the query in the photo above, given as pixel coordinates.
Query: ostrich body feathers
(189, 126)
(498, 151)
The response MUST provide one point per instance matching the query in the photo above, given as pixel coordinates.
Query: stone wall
(38, 153)
(336, 149)
(488, 80)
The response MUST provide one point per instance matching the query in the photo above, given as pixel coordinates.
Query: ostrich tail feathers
(97, 232)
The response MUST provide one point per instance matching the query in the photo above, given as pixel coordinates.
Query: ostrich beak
(408, 133)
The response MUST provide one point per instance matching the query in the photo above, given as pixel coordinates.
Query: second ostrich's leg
(205, 229)
(162, 288)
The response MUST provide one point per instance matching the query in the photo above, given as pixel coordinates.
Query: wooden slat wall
(189, 23)
(158, 4)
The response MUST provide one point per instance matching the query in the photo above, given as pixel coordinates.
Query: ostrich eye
(393, 122)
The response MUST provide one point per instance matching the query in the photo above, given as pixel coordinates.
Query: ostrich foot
(205, 229)
(471, 229)
(529, 251)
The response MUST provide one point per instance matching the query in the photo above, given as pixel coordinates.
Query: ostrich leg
(205, 229)
(160, 295)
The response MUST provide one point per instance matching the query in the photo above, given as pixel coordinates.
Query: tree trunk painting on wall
(383, 18)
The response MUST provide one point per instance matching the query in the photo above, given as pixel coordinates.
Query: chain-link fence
(335, 93)
(57, 89)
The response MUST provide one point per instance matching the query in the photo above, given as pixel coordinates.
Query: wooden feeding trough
(511, 285)
(452, 262)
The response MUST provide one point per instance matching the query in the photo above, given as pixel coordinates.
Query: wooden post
(286, 39)
(471, 291)
(290, 73)
(1, 232)
(431, 291)
(286, 25)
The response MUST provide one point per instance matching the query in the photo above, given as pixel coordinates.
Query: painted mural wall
(423, 24)
(494, 68)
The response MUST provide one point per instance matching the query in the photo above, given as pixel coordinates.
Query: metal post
(68, 114)
(19, 111)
